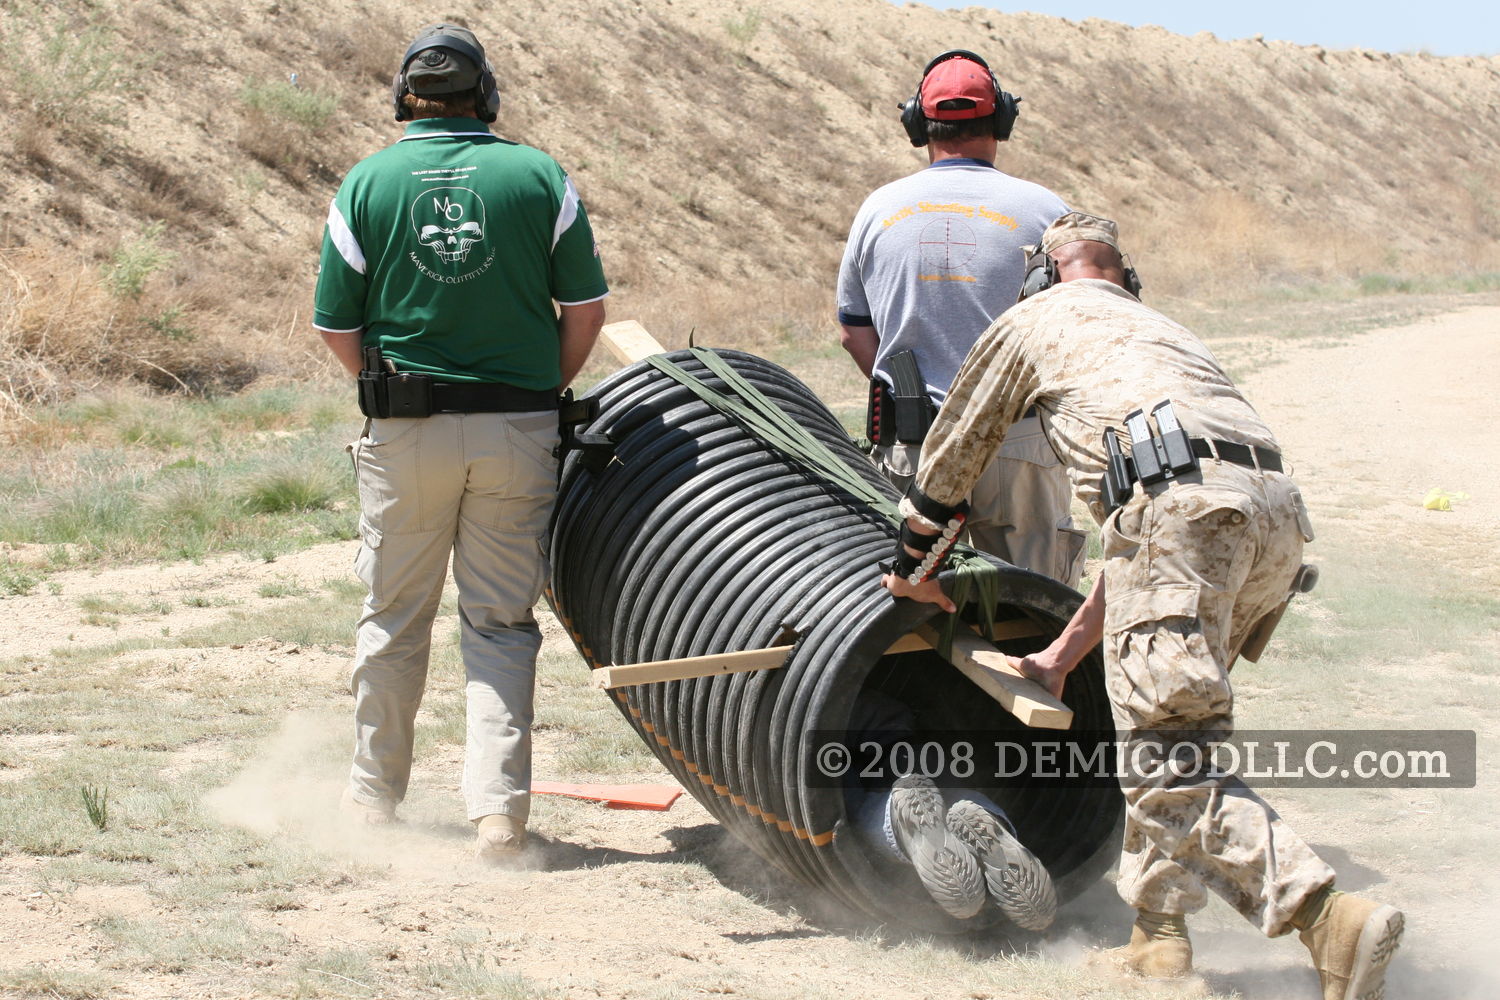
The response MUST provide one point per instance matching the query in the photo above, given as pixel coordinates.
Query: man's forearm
(1050, 667)
(345, 345)
(1083, 631)
(862, 343)
(577, 329)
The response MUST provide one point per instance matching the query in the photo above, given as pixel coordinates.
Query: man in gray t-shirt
(932, 260)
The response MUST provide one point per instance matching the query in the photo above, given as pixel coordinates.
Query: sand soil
(665, 903)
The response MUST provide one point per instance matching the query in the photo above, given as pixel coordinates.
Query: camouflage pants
(1190, 568)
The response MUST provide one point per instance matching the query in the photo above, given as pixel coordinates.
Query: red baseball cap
(958, 79)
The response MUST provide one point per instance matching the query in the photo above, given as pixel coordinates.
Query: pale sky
(1442, 27)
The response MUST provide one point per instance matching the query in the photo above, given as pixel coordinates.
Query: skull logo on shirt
(448, 221)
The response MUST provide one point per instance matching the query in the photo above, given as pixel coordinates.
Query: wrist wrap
(935, 547)
(937, 513)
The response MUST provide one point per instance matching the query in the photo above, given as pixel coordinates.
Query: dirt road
(1372, 425)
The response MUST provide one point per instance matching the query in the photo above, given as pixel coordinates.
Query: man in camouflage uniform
(1192, 564)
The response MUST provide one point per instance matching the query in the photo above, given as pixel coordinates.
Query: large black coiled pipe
(696, 538)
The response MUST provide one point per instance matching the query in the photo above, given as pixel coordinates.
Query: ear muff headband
(914, 119)
(486, 94)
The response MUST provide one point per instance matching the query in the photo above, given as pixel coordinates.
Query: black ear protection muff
(486, 94)
(1041, 274)
(1132, 280)
(914, 120)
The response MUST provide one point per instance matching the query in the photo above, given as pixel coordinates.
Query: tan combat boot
(1352, 940)
(365, 813)
(499, 838)
(1159, 947)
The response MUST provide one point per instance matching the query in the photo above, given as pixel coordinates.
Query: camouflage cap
(1075, 226)
(440, 69)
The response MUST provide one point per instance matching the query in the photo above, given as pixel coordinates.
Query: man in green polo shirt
(446, 252)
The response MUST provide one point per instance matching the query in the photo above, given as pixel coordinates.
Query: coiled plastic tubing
(694, 536)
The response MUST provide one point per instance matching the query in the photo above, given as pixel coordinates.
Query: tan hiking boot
(1159, 947)
(379, 814)
(499, 838)
(1352, 940)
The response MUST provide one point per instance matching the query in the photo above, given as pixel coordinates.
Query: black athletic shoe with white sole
(946, 867)
(1018, 882)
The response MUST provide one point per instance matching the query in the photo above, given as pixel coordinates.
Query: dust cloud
(290, 792)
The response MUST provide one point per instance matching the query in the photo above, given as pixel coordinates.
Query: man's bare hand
(1044, 670)
(928, 591)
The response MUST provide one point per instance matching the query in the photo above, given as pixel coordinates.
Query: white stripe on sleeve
(568, 214)
(583, 302)
(343, 239)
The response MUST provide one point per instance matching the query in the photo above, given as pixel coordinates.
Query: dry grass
(69, 325)
(721, 149)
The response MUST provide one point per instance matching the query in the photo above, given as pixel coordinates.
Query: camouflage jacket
(1085, 353)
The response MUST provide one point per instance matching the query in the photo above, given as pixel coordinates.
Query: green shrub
(291, 490)
(17, 581)
(1487, 282)
(96, 804)
(746, 27)
(134, 262)
(279, 126)
(168, 323)
(60, 79)
(309, 110)
(1384, 284)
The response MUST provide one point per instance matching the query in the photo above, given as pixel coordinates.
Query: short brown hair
(954, 130)
(440, 106)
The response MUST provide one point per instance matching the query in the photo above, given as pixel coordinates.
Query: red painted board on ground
(615, 796)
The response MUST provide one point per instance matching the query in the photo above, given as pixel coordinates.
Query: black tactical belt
(385, 392)
(1249, 455)
(1166, 457)
(489, 397)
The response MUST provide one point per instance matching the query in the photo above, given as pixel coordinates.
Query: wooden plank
(629, 342)
(1016, 628)
(990, 669)
(909, 643)
(655, 671)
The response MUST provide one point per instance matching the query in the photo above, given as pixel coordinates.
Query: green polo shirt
(448, 250)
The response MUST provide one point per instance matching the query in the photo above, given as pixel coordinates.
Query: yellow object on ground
(1442, 500)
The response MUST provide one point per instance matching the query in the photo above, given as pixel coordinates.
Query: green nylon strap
(793, 439)
(975, 578)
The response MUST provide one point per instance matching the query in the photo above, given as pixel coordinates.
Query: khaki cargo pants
(1190, 568)
(479, 486)
(1021, 507)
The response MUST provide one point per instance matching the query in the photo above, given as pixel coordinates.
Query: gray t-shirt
(933, 258)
